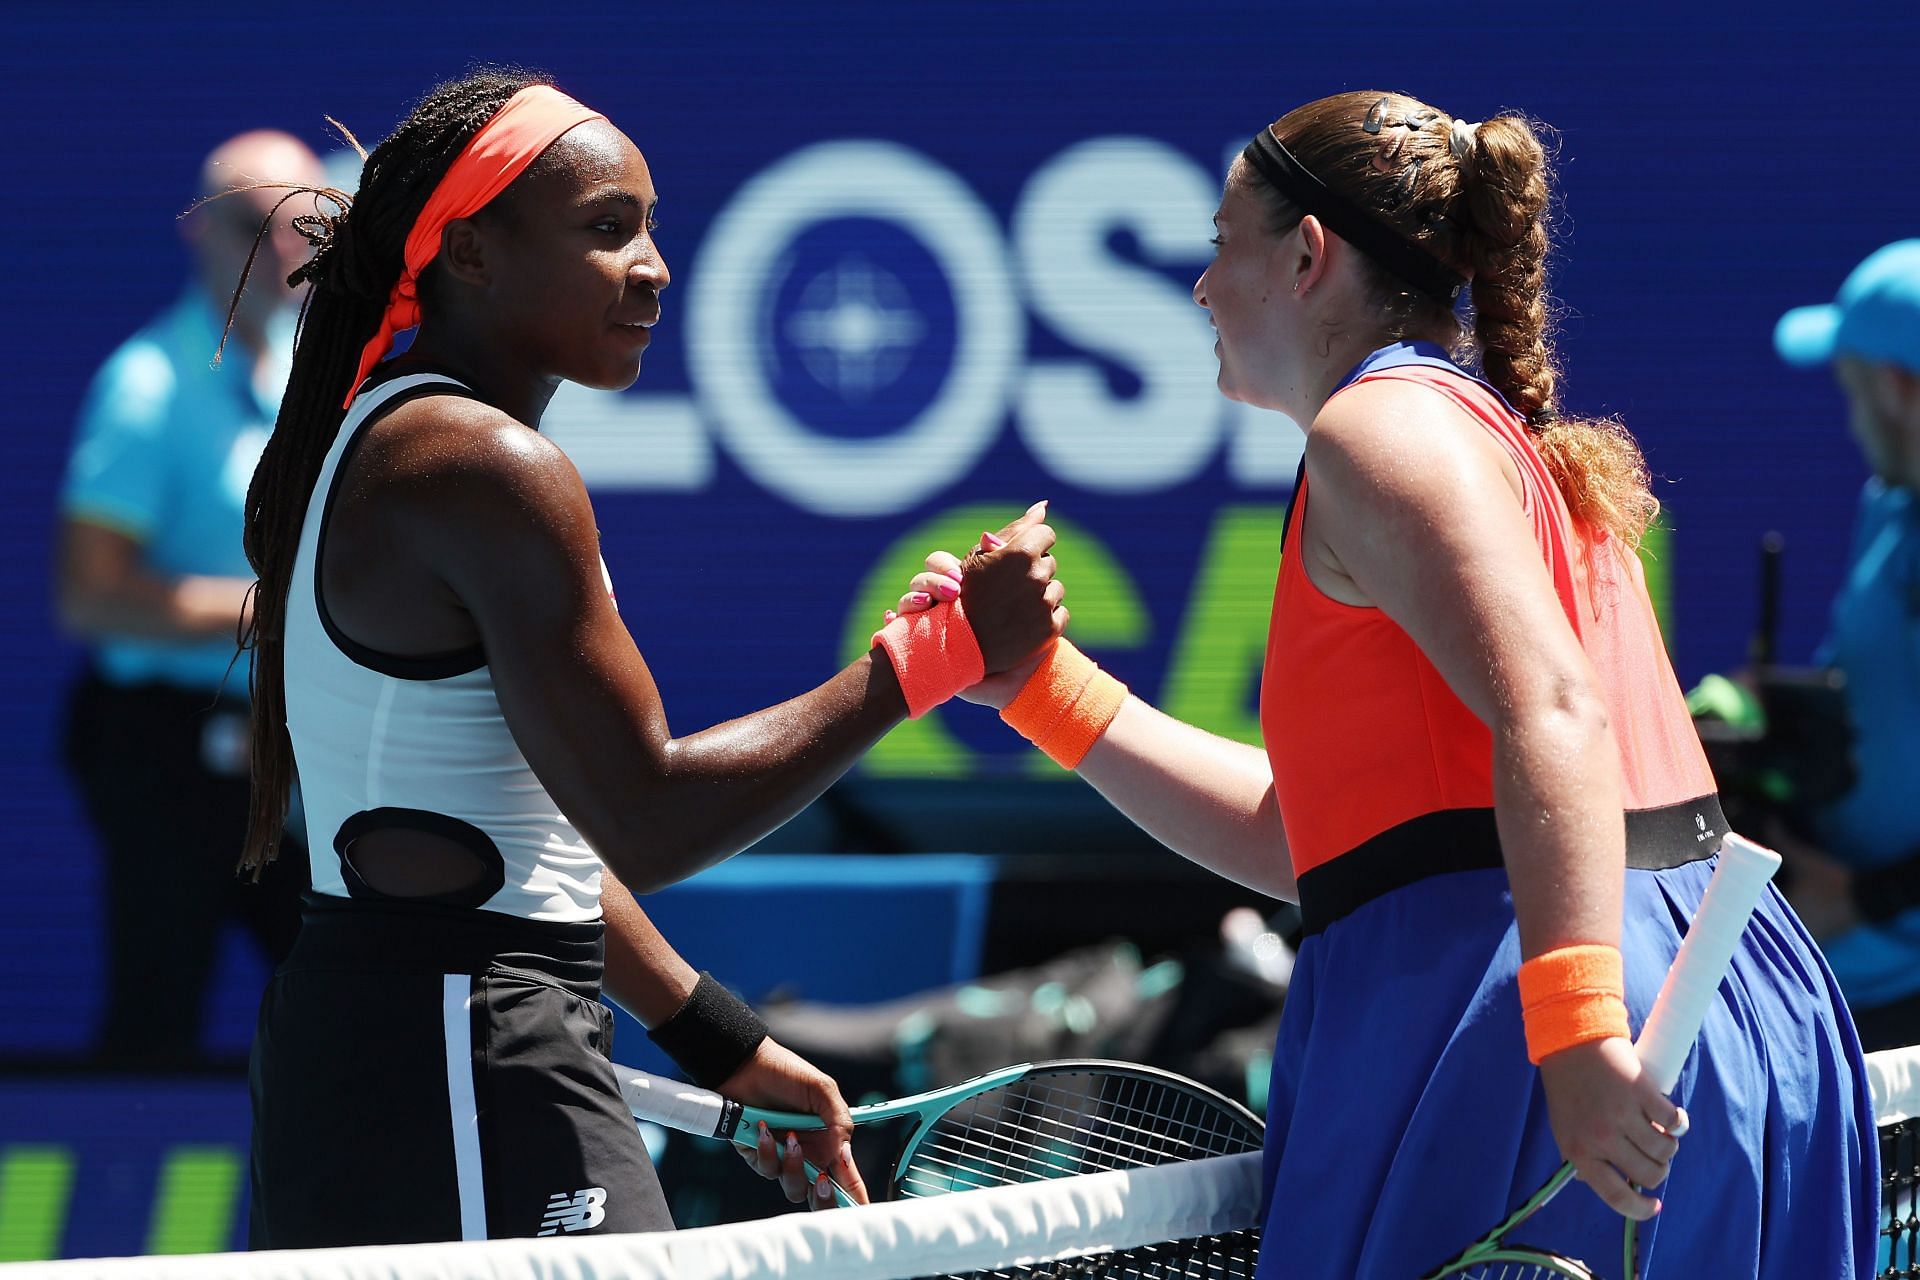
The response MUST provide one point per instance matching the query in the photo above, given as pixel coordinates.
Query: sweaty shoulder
(1401, 440)
(458, 476)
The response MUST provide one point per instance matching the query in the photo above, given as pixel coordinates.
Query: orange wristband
(934, 655)
(1570, 996)
(1065, 705)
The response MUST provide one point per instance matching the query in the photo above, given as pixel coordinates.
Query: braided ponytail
(1477, 198)
(1504, 238)
(358, 258)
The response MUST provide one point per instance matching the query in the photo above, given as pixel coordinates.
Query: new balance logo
(574, 1211)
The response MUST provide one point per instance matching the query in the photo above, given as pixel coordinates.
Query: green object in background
(35, 1184)
(1259, 1081)
(1719, 698)
(194, 1206)
(1216, 662)
(1656, 563)
(1157, 981)
(1224, 643)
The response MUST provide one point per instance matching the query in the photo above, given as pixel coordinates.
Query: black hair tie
(1404, 259)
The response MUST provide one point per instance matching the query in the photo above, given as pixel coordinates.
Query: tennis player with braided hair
(437, 648)
(1479, 779)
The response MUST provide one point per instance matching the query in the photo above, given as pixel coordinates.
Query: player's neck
(497, 374)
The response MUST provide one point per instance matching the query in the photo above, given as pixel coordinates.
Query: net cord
(1893, 1077)
(970, 1231)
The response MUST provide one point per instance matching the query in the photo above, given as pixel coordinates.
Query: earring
(1296, 286)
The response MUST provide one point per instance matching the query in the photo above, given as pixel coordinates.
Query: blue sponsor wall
(931, 263)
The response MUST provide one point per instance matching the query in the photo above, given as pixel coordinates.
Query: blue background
(1719, 165)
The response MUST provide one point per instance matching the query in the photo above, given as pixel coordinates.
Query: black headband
(1363, 230)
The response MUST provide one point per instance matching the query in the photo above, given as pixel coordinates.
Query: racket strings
(1053, 1140)
(1057, 1125)
(1061, 1123)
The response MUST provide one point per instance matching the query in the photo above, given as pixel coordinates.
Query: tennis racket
(1671, 1028)
(1020, 1124)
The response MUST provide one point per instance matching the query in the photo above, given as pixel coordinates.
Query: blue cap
(1875, 317)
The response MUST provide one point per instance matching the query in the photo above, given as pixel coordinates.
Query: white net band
(1893, 1076)
(971, 1231)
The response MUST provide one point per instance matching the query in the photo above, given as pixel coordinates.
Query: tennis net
(1894, 1077)
(1171, 1222)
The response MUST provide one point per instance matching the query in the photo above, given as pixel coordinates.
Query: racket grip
(677, 1105)
(1692, 982)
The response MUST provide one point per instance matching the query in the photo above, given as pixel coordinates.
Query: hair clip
(1376, 115)
(1409, 176)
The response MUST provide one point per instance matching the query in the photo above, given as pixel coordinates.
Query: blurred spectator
(152, 577)
(1855, 862)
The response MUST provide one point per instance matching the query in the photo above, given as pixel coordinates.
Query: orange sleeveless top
(1383, 775)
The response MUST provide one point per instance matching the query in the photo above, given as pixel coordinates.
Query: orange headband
(500, 152)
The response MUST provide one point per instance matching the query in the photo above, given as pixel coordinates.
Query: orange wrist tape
(1570, 996)
(934, 655)
(1065, 705)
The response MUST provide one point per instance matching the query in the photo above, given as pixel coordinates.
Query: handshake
(991, 627)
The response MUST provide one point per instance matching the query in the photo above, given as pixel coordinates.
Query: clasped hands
(1012, 599)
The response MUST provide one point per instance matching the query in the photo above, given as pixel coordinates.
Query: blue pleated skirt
(1404, 1119)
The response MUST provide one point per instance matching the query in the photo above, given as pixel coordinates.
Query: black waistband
(344, 933)
(1450, 840)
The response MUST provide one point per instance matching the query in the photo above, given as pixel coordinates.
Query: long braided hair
(1479, 199)
(359, 254)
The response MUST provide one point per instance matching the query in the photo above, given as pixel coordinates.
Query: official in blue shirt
(153, 578)
(1860, 891)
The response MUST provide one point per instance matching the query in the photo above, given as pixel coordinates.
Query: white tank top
(384, 740)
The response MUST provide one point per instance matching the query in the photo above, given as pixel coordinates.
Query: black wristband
(710, 1035)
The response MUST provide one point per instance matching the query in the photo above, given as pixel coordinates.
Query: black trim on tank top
(493, 863)
(1293, 500)
(401, 666)
(1450, 840)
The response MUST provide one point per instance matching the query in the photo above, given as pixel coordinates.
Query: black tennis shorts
(430, 1073)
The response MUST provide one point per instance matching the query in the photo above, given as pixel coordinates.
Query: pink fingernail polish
(823, 1187)
(946, 590)
(992, 541)
(891, 615)
(919, 599)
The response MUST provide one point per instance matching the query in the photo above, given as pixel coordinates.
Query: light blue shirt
(165, 448)
(1875, 639)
